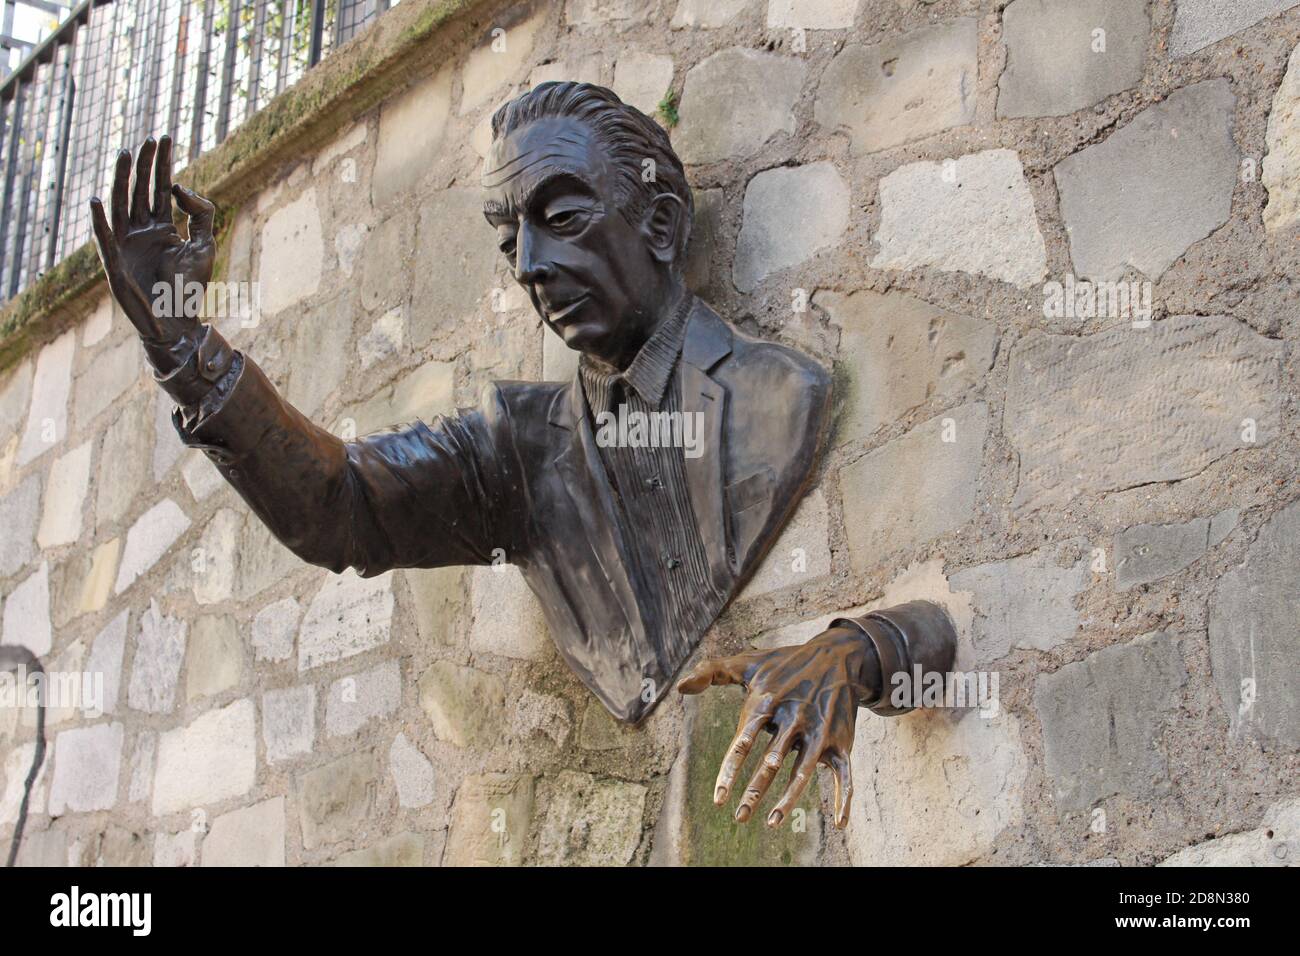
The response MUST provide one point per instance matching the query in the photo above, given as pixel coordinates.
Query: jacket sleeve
(411, 496)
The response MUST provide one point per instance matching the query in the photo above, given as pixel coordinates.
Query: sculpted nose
(529, 265)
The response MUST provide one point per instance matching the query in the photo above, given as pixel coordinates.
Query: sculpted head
(593, 212)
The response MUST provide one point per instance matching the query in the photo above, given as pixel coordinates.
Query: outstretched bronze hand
(144, 248)
(807, 697)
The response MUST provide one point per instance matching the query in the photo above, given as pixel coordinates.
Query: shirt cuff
(191, 382)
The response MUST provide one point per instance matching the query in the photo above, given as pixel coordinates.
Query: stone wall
(1101, 489)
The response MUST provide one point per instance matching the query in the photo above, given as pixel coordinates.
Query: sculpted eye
(568, 221)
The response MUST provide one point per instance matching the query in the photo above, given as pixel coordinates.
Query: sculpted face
(549, 191)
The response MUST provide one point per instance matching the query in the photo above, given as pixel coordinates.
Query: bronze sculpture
(632, 547)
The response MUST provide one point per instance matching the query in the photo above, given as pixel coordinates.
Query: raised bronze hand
(143, 248)
(807, 697)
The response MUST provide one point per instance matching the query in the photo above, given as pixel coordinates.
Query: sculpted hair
(628, 136)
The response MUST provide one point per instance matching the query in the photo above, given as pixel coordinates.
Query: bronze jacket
(521, 473)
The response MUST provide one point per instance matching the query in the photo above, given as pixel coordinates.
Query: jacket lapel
(708, 341)
(583, 472)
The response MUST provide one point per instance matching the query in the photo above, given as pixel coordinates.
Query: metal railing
(112, 72)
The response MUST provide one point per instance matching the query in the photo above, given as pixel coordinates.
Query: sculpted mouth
(560, 313)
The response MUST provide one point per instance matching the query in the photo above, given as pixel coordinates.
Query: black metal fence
(115, 71)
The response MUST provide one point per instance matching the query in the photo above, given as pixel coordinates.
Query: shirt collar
(652, 368)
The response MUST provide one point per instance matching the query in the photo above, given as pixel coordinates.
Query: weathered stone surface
(583, 69)
(1253, 634)
(99, 322)
(215, 658)
(1025, 602)
(465, 706)
(498, 60)
(159, 652)
(214, 562)
(974, 214)
(47, 415)
(293, 250)
(107, 376)
(19, 511)
(262, 560)
(274, 629)
(1127, 407)
(507, 618)
(105, 661)
(402, 849)
(1276, 842)
(346, 142)
(289, 722)
(591, 821)
(43, 848)
(387, 263)
(422, 394)
(175, 849)
(812, 14)
(709, 835)
(336, 799)
(27, 613)
(411, 127)
(65, 495)
(210, 759)
(315, 373)
(87, 763)
(1057, 62)
(706, 14)
(1281, 174)
(712, 128)
(152, 535)
(490, 821)
(616, 12)
(897, 352)
(17, 764)
(122, 478)
(97, 585)
(357, 699)
(600, 731)
(412, 773)
(249, 836)
(915, 488)
(533, 714)
(1114, 217)
(142, 766)
(904, 89)
(459, 274)
(641, 79)
(1148, 552)
(935, 788)
(1102, 721)
(790, 214)
(201, 476)
(801, 554)
(384, 339)
(701, 275)
(14, 396)
(349, 615)
(1199, 23)
(438, 596)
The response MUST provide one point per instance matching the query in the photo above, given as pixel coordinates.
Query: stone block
(215, 560)
(87, 764)
(1114, 217)
(914, 488)
(175, 849)
(411, 128)
(212, 758)
(801, 554)
(412, 773)
(1128, 407)
(1149, 552)
(465, 706)
(459, 273)
(15, 394)
(812, 14)
(1275, 842)
(97, 585)
(507, 618)
(293, 251)
(706, 14)
(215, 659)
(122, 478)
(712, 129)
(1253, 634)
(289, 722)
(1102, 721)
(107, 376)
(249, 836)
(27, 613)
(790, 214)
(402, 849)
(437, 596)
(104, 665)
(152, 536)
(904, 89)
(336, 799)
(274, 629)
(897, 352)
(65, 496)
(47, 414)
(358, 699)
(387, 262)
(1058, 62)
(1281, 173)
(973, 214)
(16, 765)
(348, 616)
(619, 13)
(1199, 23)
(20, 510)
(500, 58)
(159, 652)
(591, 821)
(642, 79)
(490, 821)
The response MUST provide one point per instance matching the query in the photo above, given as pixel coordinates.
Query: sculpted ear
(663, 223)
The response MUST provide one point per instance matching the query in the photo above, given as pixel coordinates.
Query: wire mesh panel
(112, 72)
